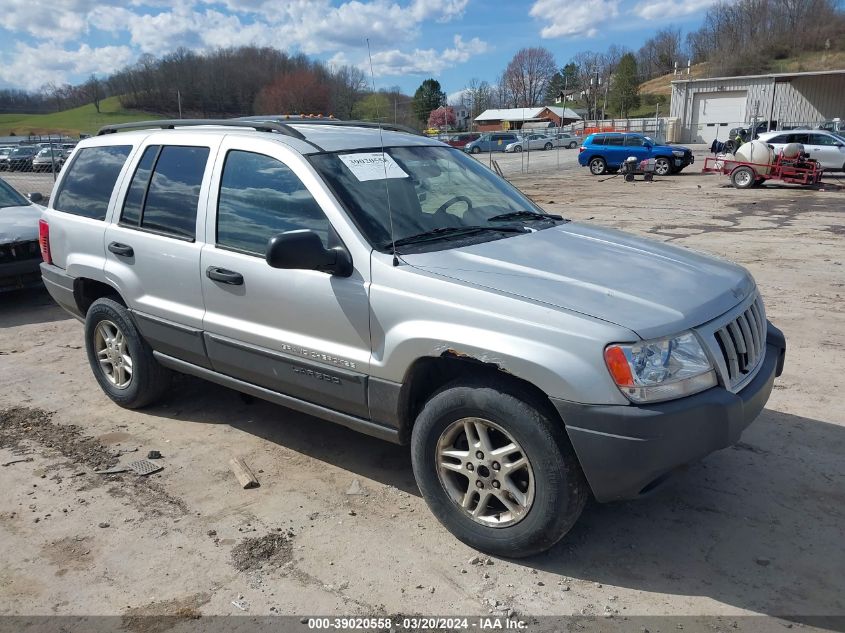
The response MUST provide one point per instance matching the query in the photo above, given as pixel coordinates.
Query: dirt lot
(337, 525)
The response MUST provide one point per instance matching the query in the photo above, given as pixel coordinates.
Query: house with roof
(524, 118)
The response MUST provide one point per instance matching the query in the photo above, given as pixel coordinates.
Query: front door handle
(224, 276)
(124, 250)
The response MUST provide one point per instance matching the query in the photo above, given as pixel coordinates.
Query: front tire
(476, 150)
(598, 166)
(573, 145)
(122, 361)
(662, 166)
(496, 469)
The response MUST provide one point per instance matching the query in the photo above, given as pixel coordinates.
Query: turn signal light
(618, 366)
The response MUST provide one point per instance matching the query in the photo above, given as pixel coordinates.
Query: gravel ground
(337, 525)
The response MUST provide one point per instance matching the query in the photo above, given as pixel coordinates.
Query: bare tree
(94, 90)
(528, 74)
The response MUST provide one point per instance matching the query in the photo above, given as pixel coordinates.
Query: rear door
(302, 333)
(152, 249)
(614, 150)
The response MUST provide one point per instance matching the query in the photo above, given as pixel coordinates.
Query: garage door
(714, 114)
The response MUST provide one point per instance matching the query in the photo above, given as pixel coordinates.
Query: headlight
(662, 369)
(678, 152)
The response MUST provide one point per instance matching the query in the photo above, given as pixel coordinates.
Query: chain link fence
(32, 164)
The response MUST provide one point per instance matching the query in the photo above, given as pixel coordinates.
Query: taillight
(44, 241)
(581, 149)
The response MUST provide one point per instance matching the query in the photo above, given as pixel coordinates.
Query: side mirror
(35, 197)
(303, 250)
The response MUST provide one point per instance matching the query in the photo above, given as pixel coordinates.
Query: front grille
(19, 251)
(743, 342)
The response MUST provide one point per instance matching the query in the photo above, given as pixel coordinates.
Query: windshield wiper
(446, 232)
(526, 215)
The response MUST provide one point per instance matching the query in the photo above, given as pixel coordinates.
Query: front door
(302, 333)
(827, 150)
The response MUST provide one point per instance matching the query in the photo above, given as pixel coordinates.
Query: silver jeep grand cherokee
(389, 283)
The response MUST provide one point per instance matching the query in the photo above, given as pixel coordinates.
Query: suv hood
(19, 224)
(651, 288)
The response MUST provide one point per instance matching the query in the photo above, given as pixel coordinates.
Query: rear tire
(598, 166)
(743, 177)
(547, 146)
(122, 361)
(497, 504)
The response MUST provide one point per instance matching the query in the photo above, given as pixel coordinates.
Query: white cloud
(427, 61)
(569, 18)
(657, 9)
(31, 67)
(56, 21)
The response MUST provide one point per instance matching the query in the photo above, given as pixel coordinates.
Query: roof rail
(285, 119)
(266, 125)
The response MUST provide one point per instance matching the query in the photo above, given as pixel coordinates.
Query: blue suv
(607, 151)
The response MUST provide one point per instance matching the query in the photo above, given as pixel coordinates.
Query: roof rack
(263, 125)
(285, 119)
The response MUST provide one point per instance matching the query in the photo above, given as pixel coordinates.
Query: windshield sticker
(372, 166)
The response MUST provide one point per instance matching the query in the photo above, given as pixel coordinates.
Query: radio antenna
(383, 159)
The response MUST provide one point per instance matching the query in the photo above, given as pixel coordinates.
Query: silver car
(20, 253)
(826, 147)
(530, 142)
(390, 283)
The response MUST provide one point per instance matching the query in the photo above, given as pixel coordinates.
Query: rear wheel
(598, 166)
(547, 146)
(662, 166)
(496, 469)
(122, 361)
(743, 177)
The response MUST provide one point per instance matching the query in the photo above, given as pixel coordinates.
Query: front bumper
(626, 450)
(24, 273)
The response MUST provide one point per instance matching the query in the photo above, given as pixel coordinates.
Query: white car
(564, 139)
(823, 146)
(530, 141)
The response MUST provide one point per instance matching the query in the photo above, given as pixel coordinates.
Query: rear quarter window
(596, 140)
(87, 187)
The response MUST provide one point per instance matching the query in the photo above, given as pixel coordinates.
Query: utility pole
(179, 101)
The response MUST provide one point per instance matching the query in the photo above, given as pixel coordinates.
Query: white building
(708, 108)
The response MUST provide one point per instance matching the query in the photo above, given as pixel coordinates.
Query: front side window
(261, 197)
(823, 139)
(428, 188)
(634, 141)
(87, 187)
(164, 193)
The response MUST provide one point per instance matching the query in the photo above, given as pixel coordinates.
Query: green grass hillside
(84, 119)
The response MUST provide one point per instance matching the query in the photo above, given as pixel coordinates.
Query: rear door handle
(123, 250)
(224, 276)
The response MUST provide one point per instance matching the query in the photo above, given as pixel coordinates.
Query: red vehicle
(799, 170)
(459, 140)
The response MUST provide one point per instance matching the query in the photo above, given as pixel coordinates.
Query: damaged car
(20, 254)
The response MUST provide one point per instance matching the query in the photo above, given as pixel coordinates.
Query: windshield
(23, 152)
(11, 198)
(429, 188)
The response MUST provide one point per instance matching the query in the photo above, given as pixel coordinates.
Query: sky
(65, 41)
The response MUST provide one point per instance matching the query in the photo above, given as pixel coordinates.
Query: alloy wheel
(485, 472)
(112, 350)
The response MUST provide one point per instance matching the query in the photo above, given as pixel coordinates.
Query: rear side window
(88, 185)
(597, 140)
(261, 197)
(613, 140)
(164, 193)
(783, 138)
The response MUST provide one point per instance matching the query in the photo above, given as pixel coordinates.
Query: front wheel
(517, 149)
(662, 166)
(496, 469)
(572, 145)
(598, 166)
(476, 150)
(122, 361)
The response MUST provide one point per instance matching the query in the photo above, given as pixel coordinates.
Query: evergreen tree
(429, 96)
(625, 86)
